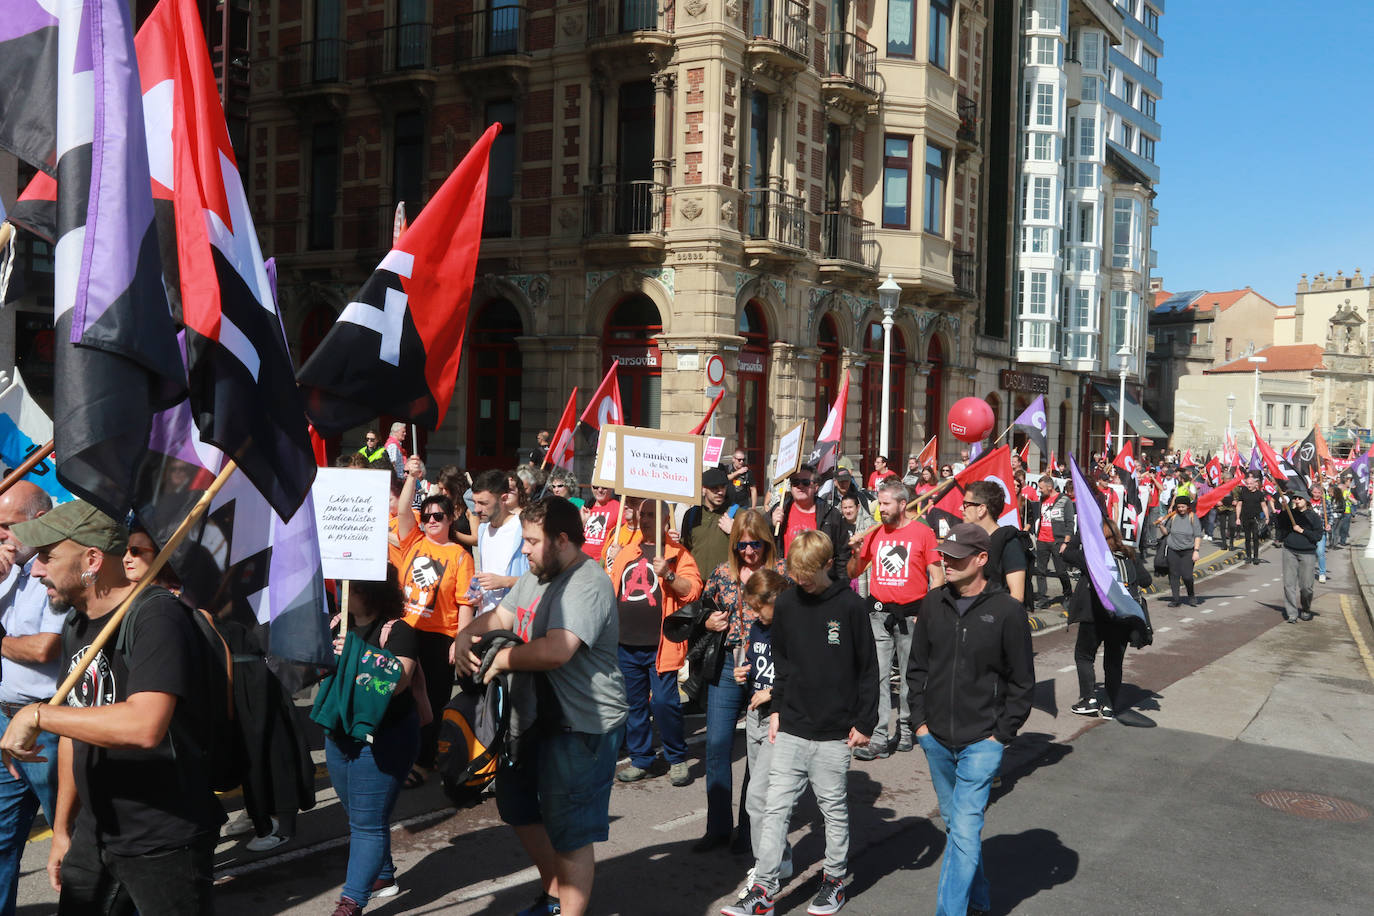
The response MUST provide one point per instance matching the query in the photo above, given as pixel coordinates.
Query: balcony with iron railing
(493, 37)
(848, 244)
(779, 33)
(851, 68)
(630, 22)
(774, 224)
(310, 65)
(968, 123)
(624, 213)
(965, 274)
(401, 54)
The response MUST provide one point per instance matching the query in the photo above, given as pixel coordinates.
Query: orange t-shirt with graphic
(395, 553)
(434, 583)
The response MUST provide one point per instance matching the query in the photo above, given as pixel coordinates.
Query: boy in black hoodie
(825, 704)
(971, 677)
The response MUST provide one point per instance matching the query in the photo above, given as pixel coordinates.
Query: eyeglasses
(433, 516)
(137, 552)
(742, 546)
(967, 504)
(801, 481)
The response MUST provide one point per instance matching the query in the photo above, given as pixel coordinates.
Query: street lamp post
(1230, 408)
(888, 296)
(1124, 354)
(1254, 410)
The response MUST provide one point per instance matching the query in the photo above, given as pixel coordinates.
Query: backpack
(474, 730)
(221, 745)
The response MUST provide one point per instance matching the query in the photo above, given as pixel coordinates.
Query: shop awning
(1136, 419)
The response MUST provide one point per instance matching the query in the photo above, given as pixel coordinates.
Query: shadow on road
(1022, 865)
(1031, 752)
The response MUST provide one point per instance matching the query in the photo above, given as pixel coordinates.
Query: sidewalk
(1053, 619)
(1364, 568)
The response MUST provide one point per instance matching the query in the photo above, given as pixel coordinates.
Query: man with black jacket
(971, 677)
(1052, 533)
(1299, 530)
(800, 511)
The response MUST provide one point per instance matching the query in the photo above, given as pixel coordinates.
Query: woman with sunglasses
(435, 573)
(946, 471)
(751, 548)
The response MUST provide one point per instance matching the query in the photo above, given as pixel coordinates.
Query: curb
(1047, 621)
(1364, 578)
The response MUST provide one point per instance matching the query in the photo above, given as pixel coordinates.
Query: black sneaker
(829, 899)
(758, 902)
(1106, 712)
(868, 752)
(1087, 706)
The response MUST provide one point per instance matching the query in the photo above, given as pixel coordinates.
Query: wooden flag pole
(343, 610)
(6, 233)
(112, 625)
(35, 458)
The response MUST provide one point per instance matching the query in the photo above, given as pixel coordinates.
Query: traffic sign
(715, 371)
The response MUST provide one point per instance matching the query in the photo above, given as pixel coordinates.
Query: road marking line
(1068, 668)
(1359, 637)
(1253, 590)
(1163, 629)
(1209, 610)
(1223, 604)
(1185, 620)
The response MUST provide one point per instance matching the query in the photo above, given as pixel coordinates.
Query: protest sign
(714, 446)
(659, 465)
(351, 521)
(789, 452)
(606, 468)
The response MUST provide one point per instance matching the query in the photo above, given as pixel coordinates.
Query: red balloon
(970, 419)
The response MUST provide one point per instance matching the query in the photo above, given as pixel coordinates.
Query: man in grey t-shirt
(557, 797)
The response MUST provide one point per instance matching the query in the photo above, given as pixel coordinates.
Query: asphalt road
(1092, 817)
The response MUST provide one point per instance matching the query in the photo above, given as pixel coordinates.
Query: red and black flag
(242, 383)
(1280, 471)
(36, 208)
(994, 467)
(395, 348)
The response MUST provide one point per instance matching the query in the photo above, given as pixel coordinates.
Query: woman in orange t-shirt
(435, 573)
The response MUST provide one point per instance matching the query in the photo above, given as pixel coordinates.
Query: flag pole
(112, 626)
(28, 464)
(914, 508)
(6, 232)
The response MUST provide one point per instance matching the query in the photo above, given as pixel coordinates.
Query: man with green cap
(134, 806)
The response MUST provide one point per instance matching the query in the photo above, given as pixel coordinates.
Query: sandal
(415, 778)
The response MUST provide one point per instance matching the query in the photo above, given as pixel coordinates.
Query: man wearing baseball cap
(971, 677)
(134, 806)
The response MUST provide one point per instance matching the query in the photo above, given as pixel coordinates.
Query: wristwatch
(670, 578)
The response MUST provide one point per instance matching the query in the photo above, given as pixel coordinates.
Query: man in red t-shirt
(1051, 537)
(906, 564)
(801, 511)
(597, 521)
(880, 473)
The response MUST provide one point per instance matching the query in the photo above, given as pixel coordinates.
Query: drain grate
(1313, 806)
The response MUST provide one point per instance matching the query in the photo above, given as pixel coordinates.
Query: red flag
(1126, 459)
(929, 457)
(1107, 449)
(604, 407)
(318, 447)
(1212, 470)
(1187, 461)
(827, 450)
(995, 466)
(1323, 452)
(710, 411)
(560, 453)
(1207, 501)
(1272, 464)
(396, 347)
(1025, 454)
(1054, 460)
(36, 208)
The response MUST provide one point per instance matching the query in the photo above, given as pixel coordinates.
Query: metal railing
(850, 57)
(782, 22)
(968, 119)
(400, 48)
(775, 216)
(965, 272)
(623, 208)
(498, 218)
(312, 63)
(617, 17)
(846, 237)
(490, 33)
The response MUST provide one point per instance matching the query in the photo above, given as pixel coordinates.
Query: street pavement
(1251, 795)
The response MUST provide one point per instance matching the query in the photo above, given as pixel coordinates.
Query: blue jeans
(368, 779)
(649, 691)
(962, 780)
(724, 701)
(1321, 555)
(563, 781)
(19, 801)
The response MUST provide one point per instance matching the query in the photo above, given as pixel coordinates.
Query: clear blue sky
(1267, 159)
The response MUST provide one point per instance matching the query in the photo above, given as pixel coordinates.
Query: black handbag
(1162, 555)
(705, 649)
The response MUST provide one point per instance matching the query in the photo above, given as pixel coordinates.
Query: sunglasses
(433, 516)
(801, 481)
(137, 552)
(967, 504)
(748, 545)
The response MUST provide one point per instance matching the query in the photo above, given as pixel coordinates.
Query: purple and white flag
(1102, 565)
(117, 358)
(1033, 423)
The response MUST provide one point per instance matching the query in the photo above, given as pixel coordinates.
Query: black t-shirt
(1009, 557)
(737, 492)
(402, 642)
(1251, 503)
(145, 800)
(641, 604)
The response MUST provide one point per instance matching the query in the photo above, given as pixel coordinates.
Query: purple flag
(117, 357)
(975, 451)
(28, 71)
(1256, 462)
(1033, 423)
(1102, 565)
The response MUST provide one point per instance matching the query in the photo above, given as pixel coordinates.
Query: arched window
(494, 391)
(630, 330)
(870, 417)
(751, 431)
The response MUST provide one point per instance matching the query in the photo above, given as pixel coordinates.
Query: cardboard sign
(659, 465)
(714, 446)
(606, 468)
(789, 452)
(351, 522)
